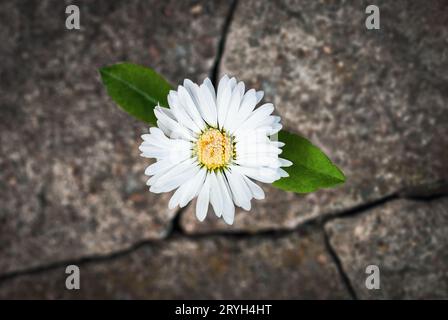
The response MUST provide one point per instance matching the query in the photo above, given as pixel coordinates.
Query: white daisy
(213, 146)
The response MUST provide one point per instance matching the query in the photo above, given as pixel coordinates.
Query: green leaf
(311, 169)
(136, 89)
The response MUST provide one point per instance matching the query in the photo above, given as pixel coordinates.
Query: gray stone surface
(290, 266)
(375, 101)
(407, 240)
(70, 172)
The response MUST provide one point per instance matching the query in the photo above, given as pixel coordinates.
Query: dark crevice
(360, 208)
(343, 276)
(176, 226)
(241, 234)
(78, 262)
(43, 204)
(421, 193)
(272, 234)
(426, 192)
(318, 220)
(214, 73)
(275, 232)
(177, 232)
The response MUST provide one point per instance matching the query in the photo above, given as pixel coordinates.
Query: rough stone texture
(407, 240)
(290, 266)
(70, 173)
(375, 101)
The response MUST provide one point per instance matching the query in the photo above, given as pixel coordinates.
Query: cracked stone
(375, 101)
(405, 239)
(294, 265)
(258, 218)
(70, 173)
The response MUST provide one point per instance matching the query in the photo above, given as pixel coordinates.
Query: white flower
(212, 146)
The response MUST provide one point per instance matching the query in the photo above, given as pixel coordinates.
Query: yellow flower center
(214, 149)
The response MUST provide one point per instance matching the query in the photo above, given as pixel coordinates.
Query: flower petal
(191, 108)
(228, 212)
(203, 200)
(234, 105)
(223, 99)
(194, 187)
(208, 106)
(215, 195)
(240, 191)
(262, 174)
(256, 190)
(256, 117)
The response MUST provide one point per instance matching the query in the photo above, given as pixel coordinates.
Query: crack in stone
(423, 193)
(360, 209)
(176, 228)
(272, 234)
(417, 193)
(426, 192)
(43, 204)
(177, 231)
(214, 72)
(88, 259)
(342, 274)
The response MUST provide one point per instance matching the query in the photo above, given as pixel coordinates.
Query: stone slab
(406, 239)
